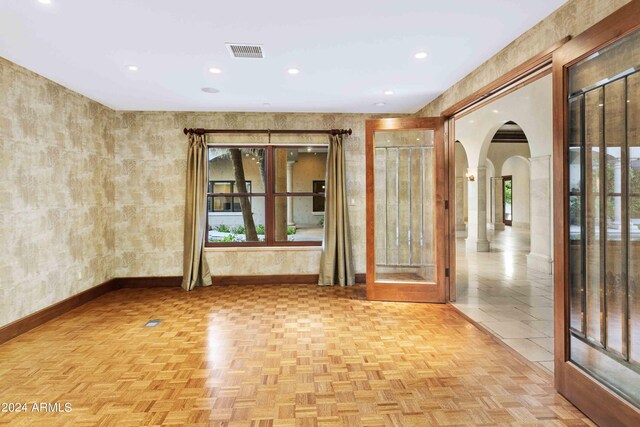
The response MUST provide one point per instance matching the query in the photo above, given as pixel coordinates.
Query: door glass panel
(604, 216)
(633, 188)
(615, 282)
(576, 280)
(593, 159)
(404, 179)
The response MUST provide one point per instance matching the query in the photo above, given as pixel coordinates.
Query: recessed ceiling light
(496, 111)
(45, 1)
(388, 92)
(210, 90)
(421, 55)
(133, 68)
(214, 70)
(379, 104)
(293, 71)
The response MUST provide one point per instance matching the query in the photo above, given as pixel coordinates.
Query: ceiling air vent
(243, 50)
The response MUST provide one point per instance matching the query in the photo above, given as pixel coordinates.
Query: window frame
(269, 195)
(230, 195)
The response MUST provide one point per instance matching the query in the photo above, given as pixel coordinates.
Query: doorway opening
(507, 205)
(503, 219)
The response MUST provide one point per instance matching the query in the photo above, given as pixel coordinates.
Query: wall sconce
(471, 177)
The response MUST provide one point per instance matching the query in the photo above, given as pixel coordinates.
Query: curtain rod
(201, 131)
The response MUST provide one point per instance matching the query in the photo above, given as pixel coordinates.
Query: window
(228, 203)
(266, 195)
(318, 201)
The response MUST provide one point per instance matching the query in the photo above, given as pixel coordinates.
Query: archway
(461, 203)
(499, 287)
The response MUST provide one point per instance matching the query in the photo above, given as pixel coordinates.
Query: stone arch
(461, 189)
(531, 108)
(519, 168)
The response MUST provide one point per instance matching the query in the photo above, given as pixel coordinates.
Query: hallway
(496, 290)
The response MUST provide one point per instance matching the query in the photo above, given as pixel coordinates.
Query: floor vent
(241, 50)
(152, 323)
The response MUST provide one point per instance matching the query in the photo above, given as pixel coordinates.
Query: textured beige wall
(56, 193)
(572, 18)
(80, 203)
(149, 181)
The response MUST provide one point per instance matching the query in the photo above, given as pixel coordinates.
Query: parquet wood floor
(289, 355)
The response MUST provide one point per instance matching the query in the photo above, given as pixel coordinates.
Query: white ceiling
(348, 51)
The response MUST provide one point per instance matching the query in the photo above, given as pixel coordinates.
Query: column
(541, 207)
(477, 224)
(498, 214)
(461, 227)
(290, 219)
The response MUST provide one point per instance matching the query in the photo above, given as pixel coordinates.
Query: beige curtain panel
(196, 271)
(336, 262)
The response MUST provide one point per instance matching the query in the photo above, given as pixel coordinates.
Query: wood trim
(450, 127)
(523, 74)
(416, 292)
(589, 395)
(595, 400)
(36, 319)
(504, 92)
(20, 326)
(276, 279)
(149, 282)
(521, 71)
(612, 28)
(270, 194)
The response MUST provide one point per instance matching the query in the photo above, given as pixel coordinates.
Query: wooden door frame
(504, 200)
(525, 73)
(589, 395)
(407, 292)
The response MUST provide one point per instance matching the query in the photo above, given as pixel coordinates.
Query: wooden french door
(406, 230)
(596, 84)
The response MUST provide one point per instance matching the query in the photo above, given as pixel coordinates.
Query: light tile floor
(496, 290)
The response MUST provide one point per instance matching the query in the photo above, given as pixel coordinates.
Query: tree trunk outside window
(245, 203)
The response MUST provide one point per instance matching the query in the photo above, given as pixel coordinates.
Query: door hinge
(446, 272)
(446, 204)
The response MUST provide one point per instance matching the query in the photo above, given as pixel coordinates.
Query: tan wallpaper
(149, 181)
(572, 18)
(56, 193)
(87, 193)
